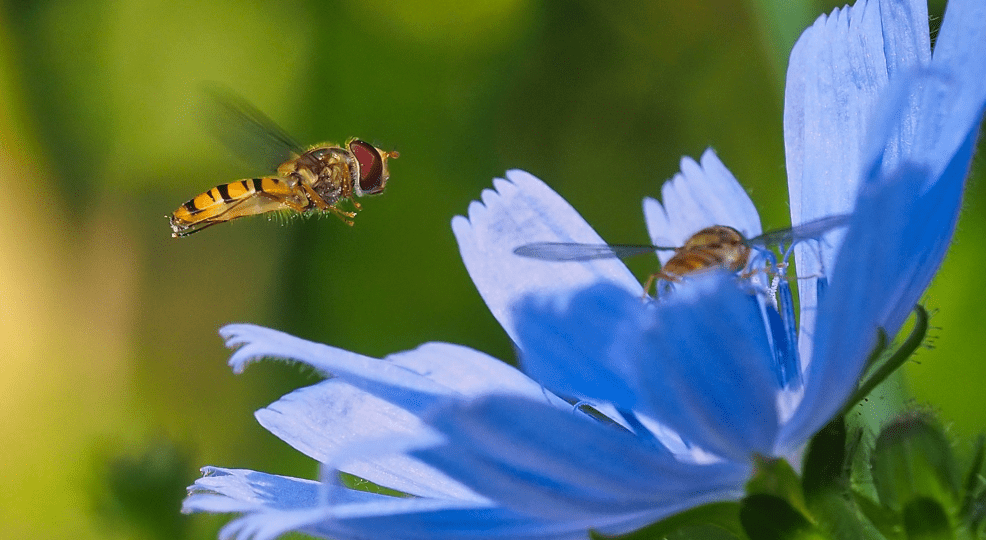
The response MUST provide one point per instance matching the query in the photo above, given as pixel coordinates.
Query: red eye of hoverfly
(372, 178)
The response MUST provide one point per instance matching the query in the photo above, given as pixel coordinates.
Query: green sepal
(776, 477)
(912, 458)
(973, 507)
(838, 517)
(884, 520)
(825, 465)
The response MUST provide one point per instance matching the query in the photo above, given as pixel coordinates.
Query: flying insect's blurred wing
(246, 131)
(568, 251)
(810, 230)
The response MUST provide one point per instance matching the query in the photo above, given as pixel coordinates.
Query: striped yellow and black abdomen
(237, 199)
(691, 261)
(216, 200)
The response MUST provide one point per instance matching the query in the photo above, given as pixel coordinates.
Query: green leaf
(712, 520)
(767, 517)
(925, 519)
(700, 532)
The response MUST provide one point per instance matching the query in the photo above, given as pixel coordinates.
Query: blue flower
(667, 401)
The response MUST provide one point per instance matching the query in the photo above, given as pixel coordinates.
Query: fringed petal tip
(239, 337)
(222, 491)
(249, 491)
(253, 343)
(520, 210)
(272, 505)
(702, 194)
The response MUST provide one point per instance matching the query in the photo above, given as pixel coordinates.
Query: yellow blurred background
(113, 383)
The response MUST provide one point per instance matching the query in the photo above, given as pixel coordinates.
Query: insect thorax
(714, 236)
(329, 171)
(718, 246)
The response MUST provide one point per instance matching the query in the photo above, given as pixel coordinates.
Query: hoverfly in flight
(716, 247)
(313, 180)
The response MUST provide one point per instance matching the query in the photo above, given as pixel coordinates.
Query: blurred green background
(113, 384)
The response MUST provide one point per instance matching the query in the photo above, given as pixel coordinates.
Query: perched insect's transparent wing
(810, 230)
(246, 131)
(568, 251)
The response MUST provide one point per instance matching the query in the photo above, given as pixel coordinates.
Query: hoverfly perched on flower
(715, 247)
(308, 181)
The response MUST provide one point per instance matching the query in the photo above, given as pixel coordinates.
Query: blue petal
(880, 275)
(456, 523)
(361, 420)
(251, 490)
(524, 210)
(344, 427)
(413, 379)
(696, 198)
(273, 504)
(837, 75)
(929, 112)
(542, 461)
(936, 143)
(837, 72)
(583, 348)
(710, 373)
(469, 373)
(392, 382)
(960, 45)
(905, 217)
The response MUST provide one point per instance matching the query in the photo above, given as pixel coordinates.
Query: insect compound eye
(371, 167)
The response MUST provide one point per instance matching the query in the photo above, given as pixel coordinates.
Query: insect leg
(315, 198)
(344, 216)
(294, 202)
(653, 279)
